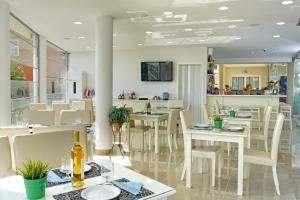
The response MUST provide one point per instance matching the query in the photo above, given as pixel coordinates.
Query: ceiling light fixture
(149, 32)
(81, 37)
(114, 35)
(232, 26)
(168, 13)
(280, 23)
(188, 29)
(170, 42)
(202, 40)
(237, 38)
(276, 36)
(140, 44)
(77, 23)
(223, 8)
(288, 2)
(114, 46)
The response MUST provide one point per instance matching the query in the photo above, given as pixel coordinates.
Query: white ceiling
(255, 21)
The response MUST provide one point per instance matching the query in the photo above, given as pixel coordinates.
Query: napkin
(53, 178)
(130, 186)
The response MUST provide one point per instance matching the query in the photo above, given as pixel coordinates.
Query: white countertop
(269, 96)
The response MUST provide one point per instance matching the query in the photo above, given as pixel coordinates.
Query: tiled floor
(167, 167)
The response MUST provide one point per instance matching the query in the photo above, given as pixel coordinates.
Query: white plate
(235, 128)
(101, 192)
(201, 126)
(86, 168)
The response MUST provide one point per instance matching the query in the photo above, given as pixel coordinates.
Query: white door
(191, 87)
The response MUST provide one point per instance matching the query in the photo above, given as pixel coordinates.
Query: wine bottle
(77, 162)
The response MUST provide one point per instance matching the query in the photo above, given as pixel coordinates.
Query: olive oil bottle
(77, 162)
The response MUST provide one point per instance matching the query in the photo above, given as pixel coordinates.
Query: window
(57, 64)
(24, 68)
(239, 82)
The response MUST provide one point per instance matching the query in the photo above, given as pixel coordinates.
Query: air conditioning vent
(298, 24)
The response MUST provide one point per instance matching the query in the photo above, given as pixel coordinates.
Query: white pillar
(5, 98)
(43, 69)
(103, 81)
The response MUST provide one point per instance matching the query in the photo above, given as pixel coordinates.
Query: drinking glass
(66, 169)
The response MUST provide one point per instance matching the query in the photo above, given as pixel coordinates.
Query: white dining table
(154, 117)
(219, 136)
(13, 187)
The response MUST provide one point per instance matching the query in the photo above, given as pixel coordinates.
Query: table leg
(249, 135)
(128, 133)
(240, 166)
(188, 159)
(156, 126)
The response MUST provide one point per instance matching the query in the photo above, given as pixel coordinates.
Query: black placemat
(124, 195)
(96, 170)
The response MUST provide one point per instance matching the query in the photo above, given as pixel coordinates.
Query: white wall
(127, 68)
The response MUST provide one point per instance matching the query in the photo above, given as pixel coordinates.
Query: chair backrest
(38, 106)
(44, 117)
(186, 119)
(175, 104)
(5, 156)
(276, 136)
(50, 147)
(57, 107)
(217, 107)
(78, 105)
(205, 114)
(72, 117)
(189, 107)
(172, 121)
(267, 121)
(266, 106)
(131, 122)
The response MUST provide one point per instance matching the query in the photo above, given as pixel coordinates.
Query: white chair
(5, 156)
(268, 158)
(169, 130)
(175, 104)
(72, 117)
(217, 107)
(43, 117)
(209, 152)
(263, 135)
(38, 106)
(139, 129)
(50, 147)
(189, 107)
(78, 105)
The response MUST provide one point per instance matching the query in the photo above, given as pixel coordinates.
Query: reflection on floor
(167, 167)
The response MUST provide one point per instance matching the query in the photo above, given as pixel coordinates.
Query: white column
(43, 69)
(103, 81)
(5, 98)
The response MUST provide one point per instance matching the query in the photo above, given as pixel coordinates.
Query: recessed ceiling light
(280, 23)
(237, 38)
(77, 23)
(158, 19)
(223, 8)
(168, 13)
(287, 2)
(188, 29)
(232, 26)
(149, 32)
(170, 42)
(114, 35)
(140, 44)
(81, 37)
(276, 36)
(202, 40)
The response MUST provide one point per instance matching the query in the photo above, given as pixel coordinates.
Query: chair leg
(200, 165)
(213, 171)
(175, 141)
(183, 171)
(149, 141)
(220, 158)
(143, 142)
(266, 144)
(228, 149)
(276, 179)
(170, 142)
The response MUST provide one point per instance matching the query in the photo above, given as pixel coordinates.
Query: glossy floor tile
(167, 167)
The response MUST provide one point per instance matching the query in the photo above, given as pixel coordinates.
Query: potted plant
(118, 116)
(232, 113)
(218, 122)
(34, 173)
